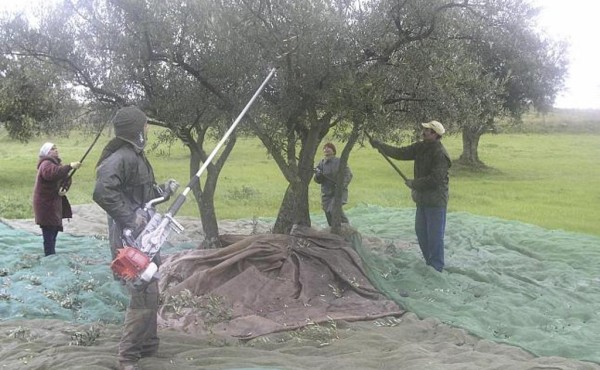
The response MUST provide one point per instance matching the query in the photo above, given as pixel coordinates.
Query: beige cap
(435, 126)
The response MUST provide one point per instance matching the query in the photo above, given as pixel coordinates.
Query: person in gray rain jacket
(124, 184)
(325, 175)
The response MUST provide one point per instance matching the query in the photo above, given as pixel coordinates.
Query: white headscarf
(45, 149)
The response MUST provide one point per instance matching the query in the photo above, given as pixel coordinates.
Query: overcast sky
(577, 21)
(574, 20)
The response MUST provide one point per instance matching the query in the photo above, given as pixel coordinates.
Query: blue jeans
(430, 225)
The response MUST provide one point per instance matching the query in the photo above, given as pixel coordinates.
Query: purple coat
(48, 206)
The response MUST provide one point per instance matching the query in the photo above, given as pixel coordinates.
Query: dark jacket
(327, 170)
(124, 183)
(49, 207)
(432, 162)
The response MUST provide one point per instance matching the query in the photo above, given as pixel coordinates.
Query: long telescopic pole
(63, 188)
(389, 160)
(182, 196)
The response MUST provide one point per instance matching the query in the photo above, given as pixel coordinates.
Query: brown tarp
(268, 283)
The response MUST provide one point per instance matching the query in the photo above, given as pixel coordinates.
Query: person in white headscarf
(49, 205)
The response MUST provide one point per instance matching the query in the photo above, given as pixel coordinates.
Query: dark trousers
(49, 233)
(430, 225)
(140, 337)
(329, 217)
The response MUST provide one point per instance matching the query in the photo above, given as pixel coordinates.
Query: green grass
(548, 179)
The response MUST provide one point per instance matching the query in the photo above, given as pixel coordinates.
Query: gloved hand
(171, 186)
(75, 165)
(128, 238)
(136, 224)
(318, 175)
(140, 221)
(409, 183)
(65, 186)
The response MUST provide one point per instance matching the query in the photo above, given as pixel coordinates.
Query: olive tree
(162, 56)
(343, 68)
(33, 99)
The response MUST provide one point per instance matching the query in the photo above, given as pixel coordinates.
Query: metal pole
(64, 189)
(182, 197)
(389, 160)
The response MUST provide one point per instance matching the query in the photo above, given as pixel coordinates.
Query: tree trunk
(336, 221)
(294, 208)
(205, 202)
(470, 141)
(209, 218)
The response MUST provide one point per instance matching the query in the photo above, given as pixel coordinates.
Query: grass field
(547, 177)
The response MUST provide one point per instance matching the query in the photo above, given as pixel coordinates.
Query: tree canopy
(343, 68)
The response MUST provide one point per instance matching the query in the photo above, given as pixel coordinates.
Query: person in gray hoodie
(325, 175)
(124, 184)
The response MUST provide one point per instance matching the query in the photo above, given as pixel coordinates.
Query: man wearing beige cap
(429, 188)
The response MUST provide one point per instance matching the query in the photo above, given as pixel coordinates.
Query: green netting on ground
(75, 284)
(505, 281)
